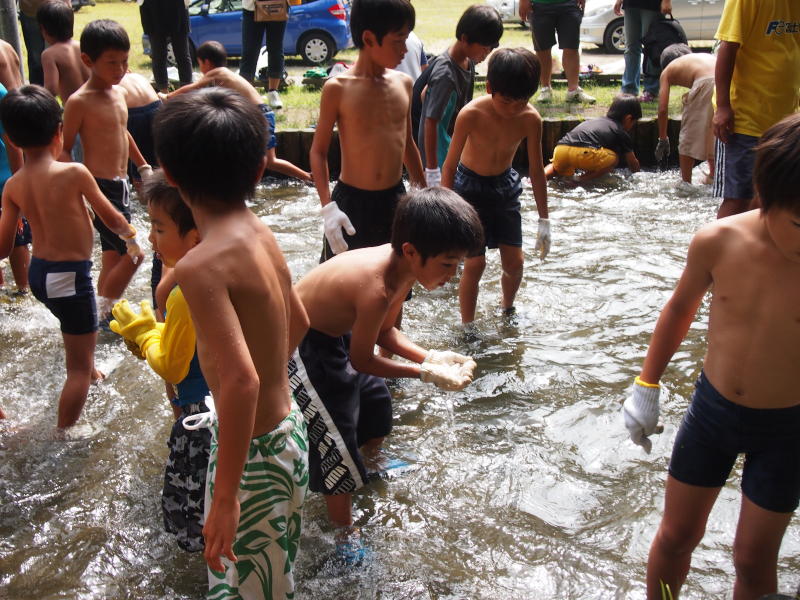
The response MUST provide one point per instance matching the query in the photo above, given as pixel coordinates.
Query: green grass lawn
(436, 22)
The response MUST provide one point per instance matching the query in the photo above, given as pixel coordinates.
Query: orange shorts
(568, 158)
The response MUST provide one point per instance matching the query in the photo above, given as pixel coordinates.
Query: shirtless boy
(248, 320)
(212, 59)
(371, 105)
(51, 194)
(143, 103)
(353, 301)
(745, 399)
(487, 134)
(97, 112)
(696, 141)
(64, 71)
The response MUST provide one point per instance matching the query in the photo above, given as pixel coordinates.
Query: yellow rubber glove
(133, 326)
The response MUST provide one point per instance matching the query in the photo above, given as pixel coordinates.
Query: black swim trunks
(116, 190)
(140, 126)
(715, 431)
(65, 288)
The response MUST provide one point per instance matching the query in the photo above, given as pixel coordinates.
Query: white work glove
(433, 177)
(662, 149)
(449, 358)
(641, 413)
(543, 238)
(133, 243)
(334, 221)
(145, 172)
(452, 376)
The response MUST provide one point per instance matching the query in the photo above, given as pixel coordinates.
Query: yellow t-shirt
(766, 79)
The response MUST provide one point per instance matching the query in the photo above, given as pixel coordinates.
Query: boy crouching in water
(353, 301)
(745, 399)
(51, 195)
(170, 350)
(248, 320)
(487, 133)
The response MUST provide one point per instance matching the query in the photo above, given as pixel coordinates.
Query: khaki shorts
(696, 120)
(568, 158)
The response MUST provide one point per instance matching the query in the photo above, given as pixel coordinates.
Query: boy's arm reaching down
(539, 184)
(73, 116)
(318, 155)
(236, 387)
(50, 70)
(461, 132)
(8, 223)
(411, 157)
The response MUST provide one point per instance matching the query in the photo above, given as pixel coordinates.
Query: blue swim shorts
(715, 431)
(733, 174)
(65, 288)
(269, 117)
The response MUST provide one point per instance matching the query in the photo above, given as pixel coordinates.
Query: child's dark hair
(30, 115)
(436, 220)
(213, 52)
(672, 52)
(380, 17)
(514, 73)
(157, 191)
(101, 35)
(57, 19)
(481, 24)
(623, 105)
(212, 142)
(776, 177)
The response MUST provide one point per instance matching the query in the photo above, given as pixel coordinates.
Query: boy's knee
(677, 539)
(752, 562)
(513, 263)
(475, 264)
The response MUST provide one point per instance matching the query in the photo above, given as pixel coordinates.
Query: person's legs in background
(275, 31)
(183, 60)
(34, 44)
(633, 51)
(651, 72)
(158, 56)
(252, 38)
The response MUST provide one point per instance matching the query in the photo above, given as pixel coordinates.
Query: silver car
(601, 26)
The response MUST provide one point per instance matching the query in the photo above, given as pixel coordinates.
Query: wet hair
(57, 19)
(212, 143)
(101, 35)
(481, 24)
(623, 105)
(213, 52)
(514, 73)
(672, 52)
(436, 220)
(31, 116)
(157, 191)
(380, 17)
(776, 177)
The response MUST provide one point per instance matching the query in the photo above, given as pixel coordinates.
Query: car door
(690, 14)
(223, 23)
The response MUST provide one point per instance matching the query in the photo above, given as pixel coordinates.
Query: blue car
(316, 30)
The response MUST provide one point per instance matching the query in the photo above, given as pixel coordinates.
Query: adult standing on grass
(639, 14)
(548, 18)
(34, 42)
(253, 33)
(163, 21)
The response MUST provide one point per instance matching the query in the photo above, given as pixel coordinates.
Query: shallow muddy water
(524, 485)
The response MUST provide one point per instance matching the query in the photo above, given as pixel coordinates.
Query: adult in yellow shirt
(757, 80)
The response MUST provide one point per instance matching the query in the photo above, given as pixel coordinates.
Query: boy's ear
(194, 237)
(369, 39)
(86, 60)
(489, 88)
(168, 177)
(409, 250)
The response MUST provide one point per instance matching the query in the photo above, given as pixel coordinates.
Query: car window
(214, 6)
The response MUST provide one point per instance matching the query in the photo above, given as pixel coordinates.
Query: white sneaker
(545, 94)
(274, 100)
(578, 95)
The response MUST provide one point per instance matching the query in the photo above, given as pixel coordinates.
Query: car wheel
(614, 37)
(316, 47)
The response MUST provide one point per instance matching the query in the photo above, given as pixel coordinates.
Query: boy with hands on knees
(352, 302)
(745, 399)
(51, 195)
(487, 133)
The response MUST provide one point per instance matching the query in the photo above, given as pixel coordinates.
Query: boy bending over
(248, 320)
(598, 146)
(51, 194)
(97, 112)
(478, 167)
(745, 399)
(353, 301)
(371, 105)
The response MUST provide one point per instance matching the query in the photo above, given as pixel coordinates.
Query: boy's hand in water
(449, 358)
(132, 326)
(451, 376)
(334, 221)
(219, 532)
(641, 411)
(662, 149)
(543, 239)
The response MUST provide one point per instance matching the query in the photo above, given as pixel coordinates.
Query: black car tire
(614, 37)
(316, 47)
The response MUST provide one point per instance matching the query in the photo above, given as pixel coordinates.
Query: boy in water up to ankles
(170, 351)
(97, 112)
(213, 60)
(446, 85)
(487, 134)
(353, 301)
(64, 71)
(745, 399)
(248, 320)
(598, 146)
(51, 194)
(371, 105)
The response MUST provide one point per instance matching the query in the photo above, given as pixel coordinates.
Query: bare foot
(97, 376)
